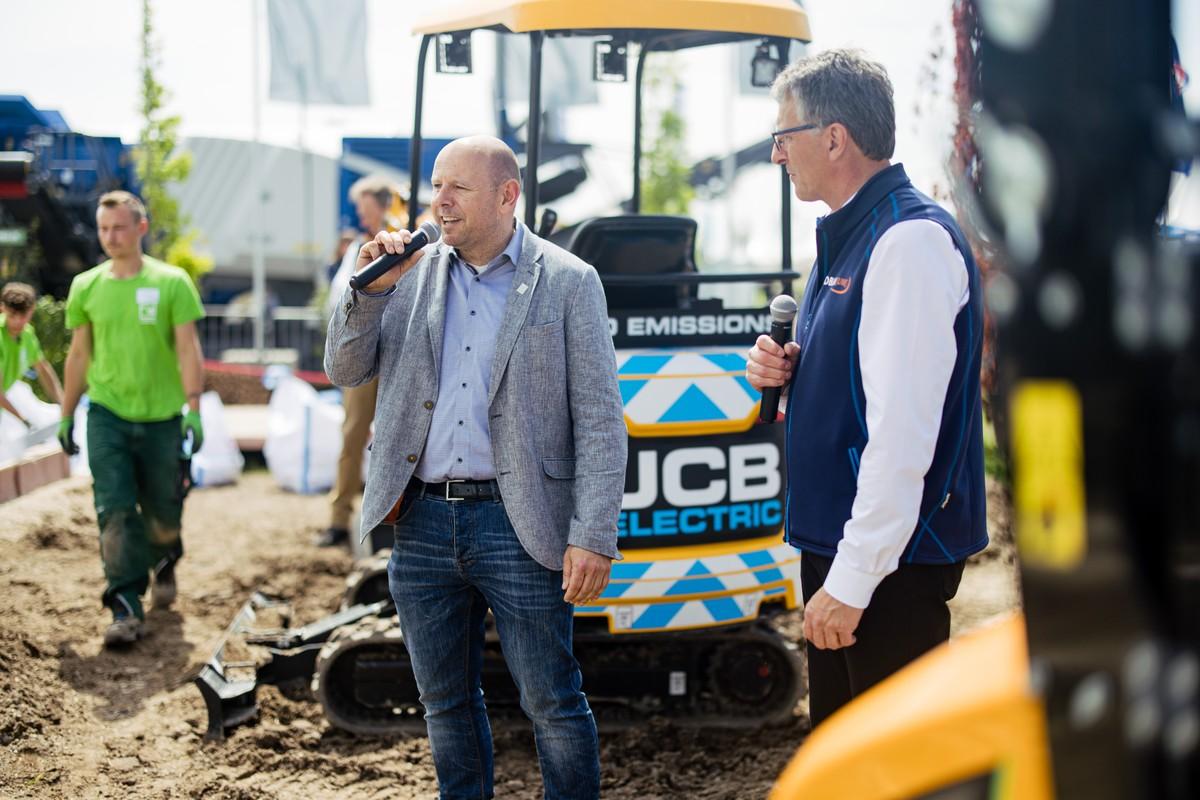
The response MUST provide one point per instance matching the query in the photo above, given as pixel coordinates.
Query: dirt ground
(77, 721)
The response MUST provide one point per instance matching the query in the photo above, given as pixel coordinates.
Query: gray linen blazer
(554, 407)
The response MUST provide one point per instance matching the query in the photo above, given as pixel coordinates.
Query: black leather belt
(457, 490)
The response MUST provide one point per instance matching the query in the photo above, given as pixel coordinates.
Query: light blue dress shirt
(460, 443)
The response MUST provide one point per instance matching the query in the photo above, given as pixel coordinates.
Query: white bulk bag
(219, 460)
(304, 437)
(15, 437)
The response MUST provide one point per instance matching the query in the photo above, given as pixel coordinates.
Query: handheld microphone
(428, 232)
(783, 313)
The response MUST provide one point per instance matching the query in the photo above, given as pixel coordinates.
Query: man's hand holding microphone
(385, 259)
(773, 357)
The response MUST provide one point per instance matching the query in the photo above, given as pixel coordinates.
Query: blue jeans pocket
(402, 508)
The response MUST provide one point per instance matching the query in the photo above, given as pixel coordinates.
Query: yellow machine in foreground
(963, 722)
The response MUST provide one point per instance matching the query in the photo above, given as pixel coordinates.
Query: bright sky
(81, 57)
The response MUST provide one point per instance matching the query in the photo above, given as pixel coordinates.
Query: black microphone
(783, 312)
(428, 232)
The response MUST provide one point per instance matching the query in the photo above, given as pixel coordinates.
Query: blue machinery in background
(50, 177)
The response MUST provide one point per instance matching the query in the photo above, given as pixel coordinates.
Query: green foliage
(23, 262)
(665, 186)
(50, 323)
(159, 166)
(995, 461)
(319, 302)
(182, 255)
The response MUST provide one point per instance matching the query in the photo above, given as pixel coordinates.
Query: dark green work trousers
(135, 467)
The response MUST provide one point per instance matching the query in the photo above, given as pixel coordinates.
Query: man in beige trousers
(375, 199)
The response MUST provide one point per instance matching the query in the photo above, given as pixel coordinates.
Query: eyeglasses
(776, 134)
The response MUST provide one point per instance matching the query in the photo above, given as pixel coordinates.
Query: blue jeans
(450, 563)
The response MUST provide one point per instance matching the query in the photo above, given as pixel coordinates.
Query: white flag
(318, 51)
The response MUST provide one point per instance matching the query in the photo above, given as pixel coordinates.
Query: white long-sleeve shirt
(915, 285)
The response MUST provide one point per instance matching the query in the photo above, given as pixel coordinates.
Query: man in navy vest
(884, 423)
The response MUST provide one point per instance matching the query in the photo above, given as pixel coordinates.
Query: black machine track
(367, 582)
(739, 677)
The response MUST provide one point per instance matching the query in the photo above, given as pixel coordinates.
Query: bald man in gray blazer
(499, 455)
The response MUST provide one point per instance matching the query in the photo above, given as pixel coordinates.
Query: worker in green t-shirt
(20, 350)
(135, 351)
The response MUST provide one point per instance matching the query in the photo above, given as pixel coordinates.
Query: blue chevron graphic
(750, 390)
(629, 572)
(644, 365)
(629, 388)
(722, 609)
(695, 586)
(698, 569)
(693, 406)
(658, 616)
(768, 576)
(759, 558)
(730, 362)
(615, 590)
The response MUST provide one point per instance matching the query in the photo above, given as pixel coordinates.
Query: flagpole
(307, 177)
(729, 163)
(260, 217)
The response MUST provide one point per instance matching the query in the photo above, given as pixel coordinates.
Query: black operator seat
(637, 244)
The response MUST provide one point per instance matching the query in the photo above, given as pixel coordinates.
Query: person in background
(376, 199)
(345, 239)
(885, 488)
(135, 351)
(19, 347)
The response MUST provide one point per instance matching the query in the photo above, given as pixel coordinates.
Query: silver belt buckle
(449, 481)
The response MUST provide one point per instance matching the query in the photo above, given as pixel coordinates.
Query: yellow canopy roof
(782, 18)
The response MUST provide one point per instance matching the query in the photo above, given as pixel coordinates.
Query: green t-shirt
(17, 355)
(134, 371)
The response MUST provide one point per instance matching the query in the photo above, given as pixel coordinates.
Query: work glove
(191, 425)
(66, 435)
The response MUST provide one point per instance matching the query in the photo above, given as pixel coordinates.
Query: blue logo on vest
(837, 285)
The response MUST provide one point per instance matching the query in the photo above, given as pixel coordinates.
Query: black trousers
(907, 616)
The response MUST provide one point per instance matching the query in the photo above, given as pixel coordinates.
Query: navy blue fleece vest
(826, 410)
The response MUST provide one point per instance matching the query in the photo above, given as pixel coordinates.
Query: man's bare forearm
(50, 382)
(75, 374)
(191, 370)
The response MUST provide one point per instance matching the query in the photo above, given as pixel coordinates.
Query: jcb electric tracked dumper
(679, 630)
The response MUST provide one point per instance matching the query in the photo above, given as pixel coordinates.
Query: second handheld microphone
(428, 232)
(783, 312)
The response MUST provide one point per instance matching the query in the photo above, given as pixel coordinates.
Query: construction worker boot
(332, 537)
(162, 593)
(123, 631)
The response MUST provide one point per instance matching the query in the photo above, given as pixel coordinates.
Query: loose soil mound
(80, 722)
